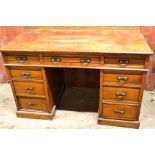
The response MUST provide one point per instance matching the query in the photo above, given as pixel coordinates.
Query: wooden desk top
(95, 39)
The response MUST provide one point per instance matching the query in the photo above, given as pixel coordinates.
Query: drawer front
(29, 88)
(122, 78)
(22, 59)
(25, 74)
(79, 61)
(120, 112)
(124, 62)
(112, 93)
(32, 103)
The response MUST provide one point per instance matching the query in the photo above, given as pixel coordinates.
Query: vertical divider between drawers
(50, 101)
(101, 88)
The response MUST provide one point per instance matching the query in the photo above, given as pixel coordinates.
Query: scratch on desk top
(97, 39)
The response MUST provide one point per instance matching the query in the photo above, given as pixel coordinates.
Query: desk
(37, 59)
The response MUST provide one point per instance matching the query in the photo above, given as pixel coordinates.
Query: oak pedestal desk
(36, 61)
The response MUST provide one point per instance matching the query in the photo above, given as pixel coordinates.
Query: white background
(80, 12)
(77, 12)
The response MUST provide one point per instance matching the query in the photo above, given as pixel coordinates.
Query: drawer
(114, 93)
(121, 79)
(124, 61)
(24, 73)
(72, 60)
(32, 103)
(29, 88)
(120, 112)
(22, 59)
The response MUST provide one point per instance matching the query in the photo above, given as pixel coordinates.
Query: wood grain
(72, 60)
(81, 77)
(18, 73)
(36, 115)
(96, 39)
(109, 93)
(32, 103)
(37, 88)
(122, 80)
(128, 112)
(121, 123)
(13, 59)
(133, 61)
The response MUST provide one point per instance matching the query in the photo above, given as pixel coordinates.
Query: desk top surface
(95, 39)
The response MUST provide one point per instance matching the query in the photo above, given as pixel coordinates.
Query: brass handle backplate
(25, 74)
(32, 104)
(28, 89)
(120, 95)
(122, 79)
(119, 111)
(22, 59)
(85, 60)
(123, 63)
(56, 59)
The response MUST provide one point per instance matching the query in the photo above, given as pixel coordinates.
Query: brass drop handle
(25, 74)
(119, 111)
(85, 60)
(22, 59)
(28, 89)
(55, 59)
(32, 104)
(122, 79)
(120, 95)
(123, 63)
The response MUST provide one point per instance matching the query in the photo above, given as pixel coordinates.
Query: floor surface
(66, 119)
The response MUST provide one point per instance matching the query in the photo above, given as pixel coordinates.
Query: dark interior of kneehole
(74, 89)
